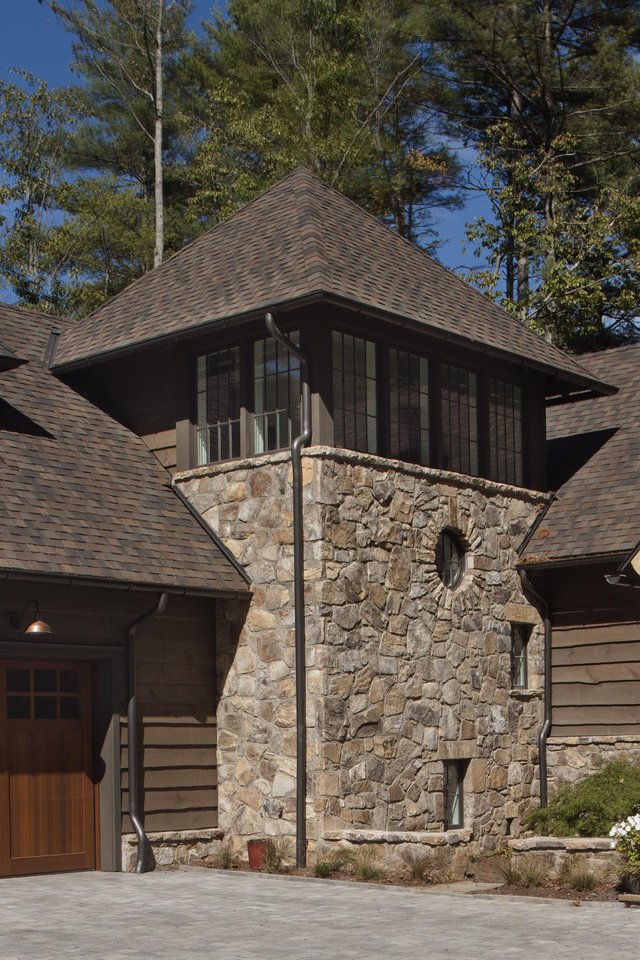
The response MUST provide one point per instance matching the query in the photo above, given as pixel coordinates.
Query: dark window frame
(292, 366)
(418, 427)
(231, 425)
(450, 563)
(340, 377)
(504, 463)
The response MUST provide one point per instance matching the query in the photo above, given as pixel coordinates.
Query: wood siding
(177, 725)
(596, 655)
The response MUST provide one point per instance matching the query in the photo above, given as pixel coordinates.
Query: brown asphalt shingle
(594, 454)
(301, 239)
(81, 496)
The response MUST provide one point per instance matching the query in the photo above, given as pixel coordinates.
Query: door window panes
(277, 386)
(218, 405)
(408, 407)
(459, 419)
(505, 432)
(354, 393)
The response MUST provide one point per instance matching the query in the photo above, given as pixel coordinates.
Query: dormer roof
(303, 241)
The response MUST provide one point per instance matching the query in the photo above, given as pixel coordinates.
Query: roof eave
(60, 579)
(584, 560)
(560, 375)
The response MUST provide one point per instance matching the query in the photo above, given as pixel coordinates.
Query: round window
(450, 559)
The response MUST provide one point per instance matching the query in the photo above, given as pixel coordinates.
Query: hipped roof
(298, 241)
(81, 497)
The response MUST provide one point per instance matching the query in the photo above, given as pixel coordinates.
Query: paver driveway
(200, 914)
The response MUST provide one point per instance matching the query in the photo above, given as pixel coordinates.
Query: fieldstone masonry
(402, 673)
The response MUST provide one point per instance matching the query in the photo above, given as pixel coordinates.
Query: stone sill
(177, 836)
(525, 693)
(438, 838)
(365, 460)
(569, 844)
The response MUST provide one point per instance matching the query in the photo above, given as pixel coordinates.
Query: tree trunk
(158, 253)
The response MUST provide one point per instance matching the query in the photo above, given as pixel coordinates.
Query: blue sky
(32, 38)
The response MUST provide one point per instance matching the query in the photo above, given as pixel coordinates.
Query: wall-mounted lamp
(36, 625)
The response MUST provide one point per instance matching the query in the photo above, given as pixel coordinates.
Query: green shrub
(590, 807)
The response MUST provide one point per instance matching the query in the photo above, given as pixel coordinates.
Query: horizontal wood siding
(596, 680)
(177, 724)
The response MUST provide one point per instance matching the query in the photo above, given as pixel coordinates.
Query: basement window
(520, 633)
(454, 773)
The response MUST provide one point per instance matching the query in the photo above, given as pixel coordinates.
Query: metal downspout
(545, 730)
(298, 590)
(132, 729)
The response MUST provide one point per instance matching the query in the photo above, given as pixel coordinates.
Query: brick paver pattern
(198, 914)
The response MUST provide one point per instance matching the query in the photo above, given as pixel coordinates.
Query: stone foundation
(395, 850)
(573, 758)
(174, 848)
(403, 674)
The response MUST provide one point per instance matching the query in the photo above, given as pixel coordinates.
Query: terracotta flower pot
(256, 850)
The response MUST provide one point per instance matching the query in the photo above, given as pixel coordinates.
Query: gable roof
(594, 464)
(82, 497)
(8, 359)
(301, 240)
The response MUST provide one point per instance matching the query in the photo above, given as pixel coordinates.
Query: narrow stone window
(520, 633)
(450, 559)
(454, 773)
(218, 406)
(505, 432)
(354, 393)
(408, 407)
(276, 385)
(459, 419)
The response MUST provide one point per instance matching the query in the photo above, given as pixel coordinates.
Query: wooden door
(46, 786)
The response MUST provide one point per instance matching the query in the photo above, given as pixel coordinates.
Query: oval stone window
(450, 559)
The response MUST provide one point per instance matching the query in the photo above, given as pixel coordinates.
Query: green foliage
(590, 807)
(332, 84)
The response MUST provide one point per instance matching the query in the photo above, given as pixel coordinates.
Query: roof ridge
(306, 192)
(621, 346)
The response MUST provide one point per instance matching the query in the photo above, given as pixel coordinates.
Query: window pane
(459, 419)
(218, 405)
(69, 681)
(45, 681)
(519, 659)
(354, 393)
(505, 432)
(18, 708)
(276, 394)
(408, 407)
(45, 708)
(69, 708)
(18, 681)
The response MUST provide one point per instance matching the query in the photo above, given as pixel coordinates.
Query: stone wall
(402, 673)
(172, 848)
(573, 758)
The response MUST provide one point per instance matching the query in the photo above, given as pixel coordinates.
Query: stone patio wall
(402, 673)
(572, 758)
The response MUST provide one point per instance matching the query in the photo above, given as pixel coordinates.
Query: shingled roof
(302, 240)
(8, 359)
(594, 464)
(80, 496)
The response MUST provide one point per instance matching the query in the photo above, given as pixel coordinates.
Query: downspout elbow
(545, 730)
(132, 728)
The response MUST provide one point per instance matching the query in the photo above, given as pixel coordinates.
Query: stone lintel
(457, 750)
(427, 838)
(522, 613)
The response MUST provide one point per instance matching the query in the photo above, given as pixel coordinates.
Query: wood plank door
(47, 812)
